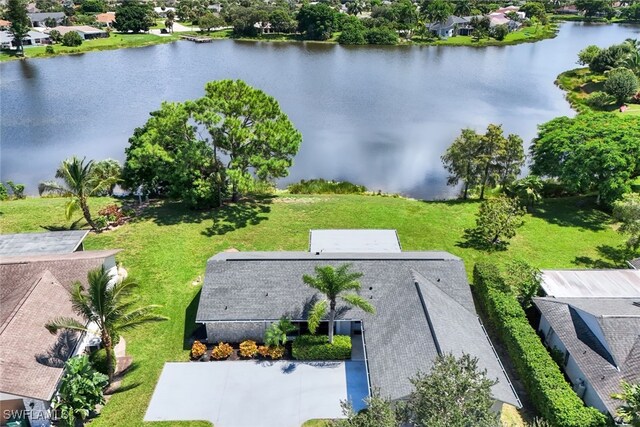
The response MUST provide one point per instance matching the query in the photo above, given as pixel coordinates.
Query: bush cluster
(547, 388)
(322, 186)
(221, 351)
(248, 348)
(317, 347)
(198, 349)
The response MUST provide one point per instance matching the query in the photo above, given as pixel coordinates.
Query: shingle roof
(33, 290)
(606, 356)
(266, 286)
(52, 242)
(41, 16)
(635, 263)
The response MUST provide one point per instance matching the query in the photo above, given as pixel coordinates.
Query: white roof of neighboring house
(77, 28)
(7, 37)
(361, 241)
(591, 283)
(165, 10)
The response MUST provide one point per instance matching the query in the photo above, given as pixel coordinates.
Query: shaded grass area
(165, 250)
(115, 41)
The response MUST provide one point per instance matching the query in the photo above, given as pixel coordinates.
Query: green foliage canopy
(590, 152)
(622, 84)
(133, 16)
(317, 21)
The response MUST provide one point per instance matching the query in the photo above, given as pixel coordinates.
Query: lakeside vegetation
(114, 41)
(166, 247)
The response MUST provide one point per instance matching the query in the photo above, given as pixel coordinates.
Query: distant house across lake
(85, 31)
(39, 19)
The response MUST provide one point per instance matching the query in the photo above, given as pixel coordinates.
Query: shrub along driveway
(256, 394)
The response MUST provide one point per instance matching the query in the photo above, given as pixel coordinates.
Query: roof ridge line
(416, 276)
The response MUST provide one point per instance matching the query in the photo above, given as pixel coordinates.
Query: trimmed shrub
(263, 350)
(381, 36)
(276, 352)
(221, 351)
(72, 38)
(98, 360)
(197, 350)
(598, 100)
(17, 190)
(248, 348)
(317, 347)
(550, 393)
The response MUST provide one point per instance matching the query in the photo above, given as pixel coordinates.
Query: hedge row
(548, 390)
(317, 347)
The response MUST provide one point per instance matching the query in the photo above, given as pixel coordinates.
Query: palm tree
(630, 410)
(109, 306)
(333, 283)
(355, 7)
(80, 183)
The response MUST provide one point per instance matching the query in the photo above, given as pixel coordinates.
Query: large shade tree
(455, 393)
(334, 284)
(110, 305)
(248, 127)
(590, 152)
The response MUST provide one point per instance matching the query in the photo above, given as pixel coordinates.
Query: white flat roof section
(50, 242)
(354, 241)
(591, 283)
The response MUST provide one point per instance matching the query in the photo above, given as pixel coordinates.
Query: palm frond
(358, 301)
(73, 204)
(138, 317)
(316, 314)
(64, 323)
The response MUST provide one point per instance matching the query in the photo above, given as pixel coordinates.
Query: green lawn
(166, 250)
(115, 41)
(523, 35)
(579, 83)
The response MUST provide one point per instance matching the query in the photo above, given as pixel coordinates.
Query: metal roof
(591, 283)
(369, 241)
(51, 242)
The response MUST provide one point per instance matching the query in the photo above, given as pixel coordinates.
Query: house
(263, 27)
(423, 303)
(4, 24)
(106, 19)
(33, 38)
(85, 31)
(511, 9)
(55, 242)
(162, 11)
(34, 290)
(592, 319)
(39, 19)
(453, 26)
(496, 19)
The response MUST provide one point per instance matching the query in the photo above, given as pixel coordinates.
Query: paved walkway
(256, 394)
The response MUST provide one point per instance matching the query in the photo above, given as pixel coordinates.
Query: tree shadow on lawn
(611, 257)
(582, 213)
(474, 240)
(230, 217)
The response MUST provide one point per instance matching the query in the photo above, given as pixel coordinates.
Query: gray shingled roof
(265, 286)
(51, 242)
(635, 263)
(41, 16)
(605, 361)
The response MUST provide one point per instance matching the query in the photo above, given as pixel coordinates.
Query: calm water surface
(381, 117)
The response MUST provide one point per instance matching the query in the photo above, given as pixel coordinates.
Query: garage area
(256, 393)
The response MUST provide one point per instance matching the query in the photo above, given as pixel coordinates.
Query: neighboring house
(34, 290)
(509, 9)
(453, 26)
(33, 38)
(496, 19)
(38, 19)
(263, 27)
(4, 25)
(85, 31)
(162, 11)
(423, 305)
(106, 19)
(634, 263)
(592, 317)
(52, 242)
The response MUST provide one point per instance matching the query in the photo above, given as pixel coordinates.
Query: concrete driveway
(256, 394)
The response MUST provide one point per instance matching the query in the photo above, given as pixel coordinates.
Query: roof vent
(225, 307)
(370, 288)
(267, 294)
(636, 303)
(438, 279)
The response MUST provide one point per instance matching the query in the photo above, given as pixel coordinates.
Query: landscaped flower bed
(317, 347)
(245, 350)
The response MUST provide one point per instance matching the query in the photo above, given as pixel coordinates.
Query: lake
(377, 116)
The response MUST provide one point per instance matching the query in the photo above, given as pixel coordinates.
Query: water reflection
(379, 116)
